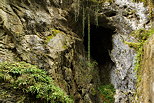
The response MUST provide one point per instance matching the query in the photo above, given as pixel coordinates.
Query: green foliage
(138, 57)
(107, 93)
(89, 9)
(30, 79)
(91, 63)
(48, 38)
(133, 45)
(141, 35)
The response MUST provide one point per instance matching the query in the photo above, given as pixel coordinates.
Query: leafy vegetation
(141, 35)
(107, 93)
(31, 80)
(91, 63)
(88, 10)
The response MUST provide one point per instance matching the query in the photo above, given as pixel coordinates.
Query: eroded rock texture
(146, 85)
(33, 31)
(125, 20)
(40, 32)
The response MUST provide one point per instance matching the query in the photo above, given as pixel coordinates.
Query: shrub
(107, 93)
(32, 80)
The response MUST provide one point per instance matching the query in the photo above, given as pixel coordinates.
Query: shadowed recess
(100, 47)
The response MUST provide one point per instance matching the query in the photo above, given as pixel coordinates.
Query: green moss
(54, 32)
(107, 93)
(133, 45)
(32, 80)
(141, 35)
(93, 91)
(65, 46)
(48, 38)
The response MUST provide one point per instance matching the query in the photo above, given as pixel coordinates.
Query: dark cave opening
(100, 47)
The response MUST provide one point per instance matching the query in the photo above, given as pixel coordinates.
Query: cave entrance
(100, 47)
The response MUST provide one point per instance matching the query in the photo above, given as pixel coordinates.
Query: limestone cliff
(49, 34)
(146, 85)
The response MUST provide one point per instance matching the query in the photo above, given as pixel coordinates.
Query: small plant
(30, 79)
(107, 93)
(141, 35)
(91, 63)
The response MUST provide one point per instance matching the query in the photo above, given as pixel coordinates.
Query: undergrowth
(32, 80)
(141, 35)
(107, 93)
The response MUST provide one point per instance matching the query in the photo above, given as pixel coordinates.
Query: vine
(87, 7)
(88, 37)
(83, 21)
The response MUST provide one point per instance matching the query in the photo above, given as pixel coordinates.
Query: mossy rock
(142, 34)
(54, 32)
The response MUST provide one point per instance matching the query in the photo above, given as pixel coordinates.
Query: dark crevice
(101, 45)
(111, 13)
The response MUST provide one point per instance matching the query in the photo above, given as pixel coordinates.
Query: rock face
(128, 16)
(41, 32)
(146, 86)
(33, 31)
